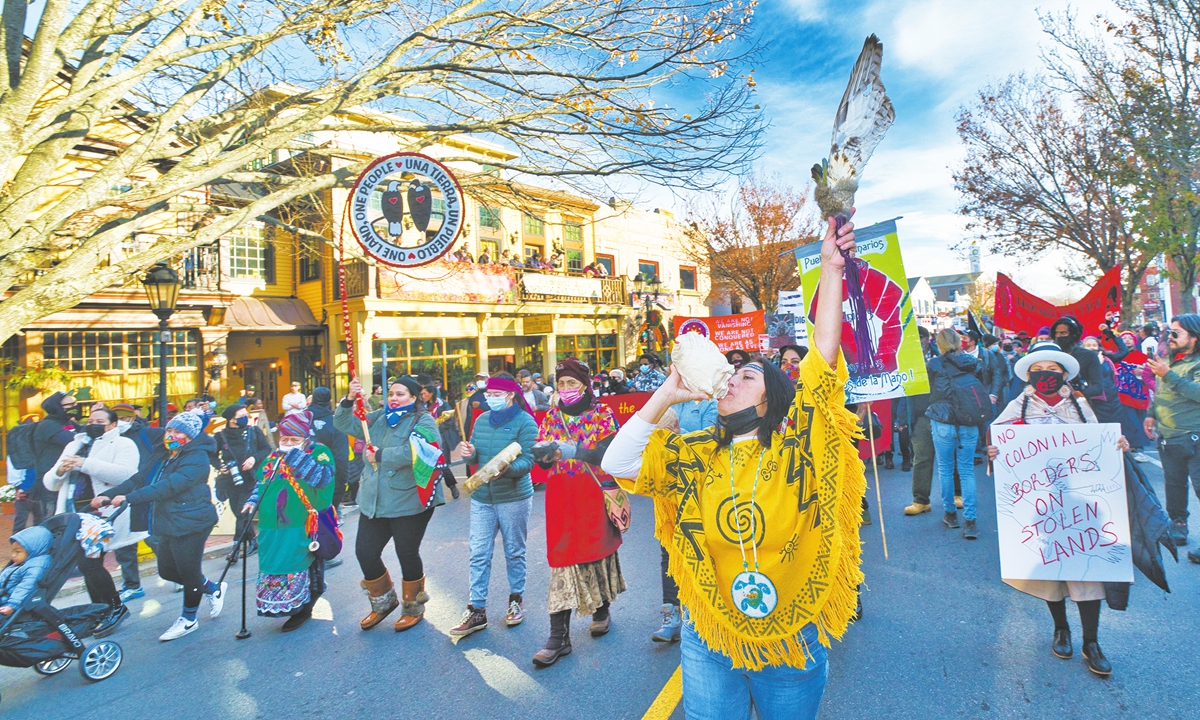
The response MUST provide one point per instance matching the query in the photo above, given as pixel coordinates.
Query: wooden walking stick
(875, 469)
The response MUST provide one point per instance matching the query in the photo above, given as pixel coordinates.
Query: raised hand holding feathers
(863, 117)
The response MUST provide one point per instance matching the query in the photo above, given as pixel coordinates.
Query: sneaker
(950, 520)
(108, 625)
(514, 616)
(176, 587)
(182, 627)
(958, 502)
(1194, 556)
(132, 594)
(1139, 456)
(917, 508)
(473, 620)
(866, 515)
(970, 532)
(216, 601)
(1179, 532)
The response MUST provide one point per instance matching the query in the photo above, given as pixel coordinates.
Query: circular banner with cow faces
(406, 209)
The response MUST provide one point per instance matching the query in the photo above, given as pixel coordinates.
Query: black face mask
(94, 431)
(1065, 342)
(742, 421)
(1046, 382)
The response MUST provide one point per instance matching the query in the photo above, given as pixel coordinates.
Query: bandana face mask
(173, 444)
(1046, 382)
(393, 415)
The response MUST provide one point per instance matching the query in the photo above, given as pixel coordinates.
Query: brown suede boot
(413, 609)
(382, 594)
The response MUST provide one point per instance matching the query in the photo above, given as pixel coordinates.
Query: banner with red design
(1018, 309)
(728, 332)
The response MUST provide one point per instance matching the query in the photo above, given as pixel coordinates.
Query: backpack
(970, 403)
(19, 443)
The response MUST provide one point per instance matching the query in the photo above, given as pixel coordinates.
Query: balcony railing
(454, 281)
(573, 288)
(200, 268)
(357, 283)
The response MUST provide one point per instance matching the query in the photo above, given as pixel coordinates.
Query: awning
(270, 315)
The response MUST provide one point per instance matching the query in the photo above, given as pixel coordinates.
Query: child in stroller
(36, 634)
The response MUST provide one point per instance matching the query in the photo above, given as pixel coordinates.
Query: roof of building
(944, 280)
(270, 314)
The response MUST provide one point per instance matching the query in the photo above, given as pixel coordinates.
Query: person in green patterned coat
(297, 480)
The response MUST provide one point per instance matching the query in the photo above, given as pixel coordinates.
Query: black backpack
(970, 403)
(19, 445)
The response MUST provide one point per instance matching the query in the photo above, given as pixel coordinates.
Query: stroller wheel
(52, 667)
(100, 661)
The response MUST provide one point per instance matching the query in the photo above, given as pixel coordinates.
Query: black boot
(299, 618)
(1096, 661)
(1061, 647)
(559, 643)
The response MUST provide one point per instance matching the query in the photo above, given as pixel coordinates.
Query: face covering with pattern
(172, 443)
(1046, 382)
(393, 415)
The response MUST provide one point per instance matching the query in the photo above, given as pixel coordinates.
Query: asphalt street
(942, 637)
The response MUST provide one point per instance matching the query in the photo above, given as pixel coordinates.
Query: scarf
(806, 511)
(499, 417)
(393, 415)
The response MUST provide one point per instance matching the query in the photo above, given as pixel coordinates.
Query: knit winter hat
(188, 423)
(572, 367)
(229, 412)
(410, 383)
(321, 396)
(298, 424)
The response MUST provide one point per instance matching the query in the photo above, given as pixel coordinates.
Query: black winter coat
(239, 444)
(335, 440)
(51, 435)
(942, 370)
(148, 440)
(178, 488)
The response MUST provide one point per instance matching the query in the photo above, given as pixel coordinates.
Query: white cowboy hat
(1046, 351)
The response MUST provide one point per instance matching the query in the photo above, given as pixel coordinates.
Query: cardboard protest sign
(1060, 503)
(728, 332)
(897, 366)
(792, 301)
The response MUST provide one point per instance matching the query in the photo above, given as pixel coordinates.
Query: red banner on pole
(728, 332)
(1018, 309)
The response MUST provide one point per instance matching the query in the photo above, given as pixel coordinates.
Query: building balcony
(459, 282)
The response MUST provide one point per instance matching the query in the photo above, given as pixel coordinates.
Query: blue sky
(937, 55)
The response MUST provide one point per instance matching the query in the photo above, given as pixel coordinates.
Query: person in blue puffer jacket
(30, 558)
(504, 503)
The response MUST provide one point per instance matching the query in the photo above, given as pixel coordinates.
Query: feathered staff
(863, 117)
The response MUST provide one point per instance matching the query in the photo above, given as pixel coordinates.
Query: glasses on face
(495, 394)
(1176, 334)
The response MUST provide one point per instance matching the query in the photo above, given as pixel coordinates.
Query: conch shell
(701, 365)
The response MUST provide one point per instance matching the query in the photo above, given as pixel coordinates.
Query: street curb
(149, 567)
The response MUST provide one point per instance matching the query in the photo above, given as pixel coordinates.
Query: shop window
(687, 278)
(107, 351)
(450, 362)
(310, 259)
(251, 257)
(598, 351)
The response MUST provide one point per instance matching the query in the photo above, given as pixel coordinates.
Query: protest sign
(1061, 508)
(1018, 309)
(781, 330)
(897, 366)
(728, 332)
(792, 301)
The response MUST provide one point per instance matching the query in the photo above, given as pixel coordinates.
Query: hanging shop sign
(418, 214)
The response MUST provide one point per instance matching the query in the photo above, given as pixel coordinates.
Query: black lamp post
(217, 361)
(652, 284)
(162, 290)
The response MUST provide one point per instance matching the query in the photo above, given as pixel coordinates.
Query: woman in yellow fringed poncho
(760, 517)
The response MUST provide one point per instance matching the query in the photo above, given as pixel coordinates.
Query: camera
(234, 472)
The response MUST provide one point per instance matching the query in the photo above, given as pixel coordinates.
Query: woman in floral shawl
(297, 481)
(581, 542)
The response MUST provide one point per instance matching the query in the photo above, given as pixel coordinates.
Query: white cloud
(808, 10)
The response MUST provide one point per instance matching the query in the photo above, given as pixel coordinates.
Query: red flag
(1018, 309)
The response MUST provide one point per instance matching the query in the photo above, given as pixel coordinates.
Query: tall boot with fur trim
(382, 594)
(414, 606)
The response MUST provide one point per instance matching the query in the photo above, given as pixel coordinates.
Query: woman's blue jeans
(955, 444)
(714, 690)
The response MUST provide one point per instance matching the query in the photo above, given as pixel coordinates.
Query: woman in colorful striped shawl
(760, 517)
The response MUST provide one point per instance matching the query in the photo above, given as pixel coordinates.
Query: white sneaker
(1140, 456)
(216, 601)
(176, 587)
(181, 627)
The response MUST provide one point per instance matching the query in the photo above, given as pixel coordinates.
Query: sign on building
(406, 209)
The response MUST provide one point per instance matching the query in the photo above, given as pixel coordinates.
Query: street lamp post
(652, 284)
(162, 290)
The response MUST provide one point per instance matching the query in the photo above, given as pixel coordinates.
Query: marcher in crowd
(614, 383)
(503, 504)
(1068, 332)
(1149, 333)
(326, 434)
(953, 442)
(920, 431)
(30, 553)
(444, 413)
(182, 517)
(537, 400)
(259, 419)
(737, 358)
(397, 495)
(52, 434)
(296, 481)
(25, 480)
(762, 586)
(246, 448)
(650, 374)
(581, 541)
(248, 396)
(1048, 399)
(101, 457)
(1174, 420)
(789, 360)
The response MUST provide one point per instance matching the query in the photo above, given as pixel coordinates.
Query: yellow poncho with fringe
(806, 515)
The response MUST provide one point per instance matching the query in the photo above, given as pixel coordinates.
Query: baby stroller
(46, 638)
